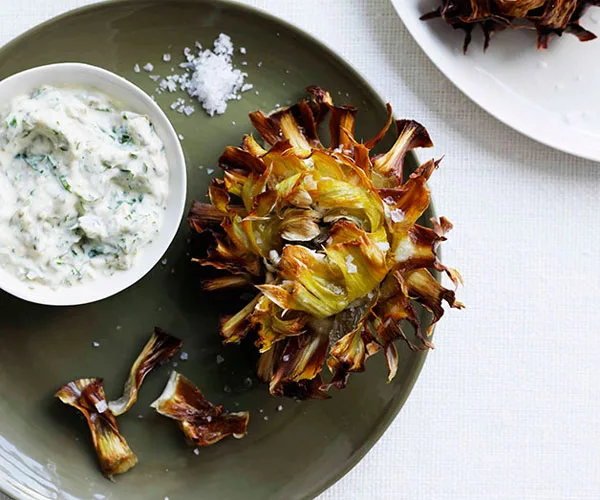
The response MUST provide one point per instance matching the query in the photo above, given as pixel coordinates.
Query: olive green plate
(45, 449)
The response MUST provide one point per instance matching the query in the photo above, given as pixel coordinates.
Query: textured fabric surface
(508, 404)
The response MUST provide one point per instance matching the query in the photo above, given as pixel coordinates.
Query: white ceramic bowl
(133, 99)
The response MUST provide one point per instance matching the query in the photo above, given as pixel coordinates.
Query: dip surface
(83, 186)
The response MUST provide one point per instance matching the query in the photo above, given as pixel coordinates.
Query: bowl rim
(86, 292)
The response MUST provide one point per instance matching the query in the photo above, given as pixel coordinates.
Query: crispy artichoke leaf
(160, 346)
(225, 255)
(411, 135)
(316, 285)
(303, 389)
(87, 395)
(219, 197)
(416, 248)
(341, 127)
(226, 282)
(558, 14)
(242, 236)
(349, 353)
(242, 160)
(267, 128)
(273, 325)
(361, 261)
(254, 148)
(269, 361)
(420, 284)
(202, 423)
(326, 166)
(388, 315)
(254, 185)
(203, 215)
(235, 328)
(406, 204)
(376, 139)
(320, 102)
(281, 125)
(283, 163)
(301, 362)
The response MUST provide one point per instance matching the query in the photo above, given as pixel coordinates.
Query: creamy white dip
(83, 186)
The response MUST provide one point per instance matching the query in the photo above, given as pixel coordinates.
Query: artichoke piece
(202, 422)
(160, 347)
(329, 238)
(87, 395)
(411, 135)
(548, 17)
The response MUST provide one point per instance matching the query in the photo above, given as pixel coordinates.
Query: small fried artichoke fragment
(328, 236)
(160, 347)
(87, 395)
(202, 422)
(547, 17)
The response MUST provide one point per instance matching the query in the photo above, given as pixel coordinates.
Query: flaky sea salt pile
(209, 77)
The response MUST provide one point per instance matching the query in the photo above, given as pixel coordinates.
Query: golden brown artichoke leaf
(235, 328)
(160, 347)
(282, 125)
(411, 135)
(349, 353)
(226, 282)
(341, 128)
(87, 395)
(240, 160)
(225, 255)
(269, 362)
(361, 260)
(320, 102)
(419, 283)
(254, 148)
(301, 364)
(202, 215)
(202, 423)
(274, 324)
(376, 139)
(316, 286)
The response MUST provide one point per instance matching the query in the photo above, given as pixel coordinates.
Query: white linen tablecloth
(508, 404)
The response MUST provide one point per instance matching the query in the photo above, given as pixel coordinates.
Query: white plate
(550, 95)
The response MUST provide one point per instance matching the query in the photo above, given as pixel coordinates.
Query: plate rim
(381, 426)
(562, 138)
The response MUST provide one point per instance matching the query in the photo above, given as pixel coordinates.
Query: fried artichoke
(161, 346)
(202, 422)
(328, 236)
(547, 17)
(87, 395)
